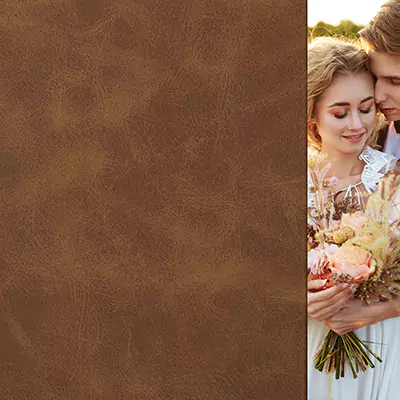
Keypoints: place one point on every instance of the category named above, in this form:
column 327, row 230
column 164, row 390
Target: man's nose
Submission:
column 380, row 92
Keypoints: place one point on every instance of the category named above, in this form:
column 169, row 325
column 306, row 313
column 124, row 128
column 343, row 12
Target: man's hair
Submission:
column 382, row 34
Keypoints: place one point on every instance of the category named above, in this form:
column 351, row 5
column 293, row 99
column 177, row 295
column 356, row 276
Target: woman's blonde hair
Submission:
column 382, row 34
column 329, row 57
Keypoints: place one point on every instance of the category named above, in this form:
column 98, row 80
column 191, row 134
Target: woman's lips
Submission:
column 355, row 138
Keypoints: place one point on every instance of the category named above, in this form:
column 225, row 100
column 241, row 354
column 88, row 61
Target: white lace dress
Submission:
column 382, row 382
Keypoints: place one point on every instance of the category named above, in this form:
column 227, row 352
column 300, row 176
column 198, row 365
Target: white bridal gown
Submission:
column 382, row 382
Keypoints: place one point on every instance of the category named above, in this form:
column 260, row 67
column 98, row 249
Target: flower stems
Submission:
column 338, row 350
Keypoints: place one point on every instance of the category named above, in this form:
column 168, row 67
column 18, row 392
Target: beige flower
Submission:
column 354, row 221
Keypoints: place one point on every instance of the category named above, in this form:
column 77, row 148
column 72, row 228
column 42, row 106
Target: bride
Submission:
column 341, row 124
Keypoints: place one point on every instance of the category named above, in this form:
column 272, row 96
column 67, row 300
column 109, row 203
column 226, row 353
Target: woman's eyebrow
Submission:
column 347, row 104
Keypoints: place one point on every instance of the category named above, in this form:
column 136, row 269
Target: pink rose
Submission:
column 354, row 261
column 314, row 256
column 356, row 222
column 330, row 250
column 319, row 263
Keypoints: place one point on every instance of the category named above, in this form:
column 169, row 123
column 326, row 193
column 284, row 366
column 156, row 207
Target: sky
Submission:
column 333, row 11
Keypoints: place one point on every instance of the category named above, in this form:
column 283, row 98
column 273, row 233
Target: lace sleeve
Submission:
column 378, row 164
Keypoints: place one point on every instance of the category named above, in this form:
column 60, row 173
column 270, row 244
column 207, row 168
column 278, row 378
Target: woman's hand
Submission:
column 357, row 314
column 324, row 303
column 354, row 315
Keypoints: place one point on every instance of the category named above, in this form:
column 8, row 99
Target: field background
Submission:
column 345, row 28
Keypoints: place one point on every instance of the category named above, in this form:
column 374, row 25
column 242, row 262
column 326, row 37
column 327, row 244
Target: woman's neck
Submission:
column 343, row 165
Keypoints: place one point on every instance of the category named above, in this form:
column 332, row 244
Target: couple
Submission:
column 345, row 86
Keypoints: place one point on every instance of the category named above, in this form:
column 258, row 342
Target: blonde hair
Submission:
column 329, row 57
column 382, row 34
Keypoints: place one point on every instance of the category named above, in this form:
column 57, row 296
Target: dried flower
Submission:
column 334, row 180
column 339, row 237
column 363, row 248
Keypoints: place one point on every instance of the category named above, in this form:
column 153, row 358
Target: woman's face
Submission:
column 345, row 113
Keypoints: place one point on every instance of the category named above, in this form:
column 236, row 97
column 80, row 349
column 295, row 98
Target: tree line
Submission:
column 345, row 28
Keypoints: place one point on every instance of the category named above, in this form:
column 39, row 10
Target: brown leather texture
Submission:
column 152, row 165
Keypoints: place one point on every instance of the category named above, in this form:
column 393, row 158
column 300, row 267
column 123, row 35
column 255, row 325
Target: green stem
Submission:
column 324, row 353
column 368, row 349
column 355, row 341
column 350, row 358
column 338, row 358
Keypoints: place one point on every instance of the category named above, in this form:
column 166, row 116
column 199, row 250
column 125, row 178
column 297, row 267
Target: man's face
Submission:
column 386, row 68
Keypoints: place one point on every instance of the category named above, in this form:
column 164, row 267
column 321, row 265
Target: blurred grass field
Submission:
column 345, row 28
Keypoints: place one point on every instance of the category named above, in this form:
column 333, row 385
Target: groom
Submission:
column 382, row 39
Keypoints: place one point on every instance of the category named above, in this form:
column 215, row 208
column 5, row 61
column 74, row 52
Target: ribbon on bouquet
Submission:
column 349, row 193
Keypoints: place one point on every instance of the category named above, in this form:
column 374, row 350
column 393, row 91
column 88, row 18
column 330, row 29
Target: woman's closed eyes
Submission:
column 364, row 111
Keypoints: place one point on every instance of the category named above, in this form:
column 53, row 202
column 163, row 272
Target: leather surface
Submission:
column 152, row 164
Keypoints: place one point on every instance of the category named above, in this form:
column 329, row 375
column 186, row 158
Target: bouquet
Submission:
column 358, row 245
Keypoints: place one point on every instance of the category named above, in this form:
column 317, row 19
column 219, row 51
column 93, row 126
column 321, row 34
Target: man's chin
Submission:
column 392, row 117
